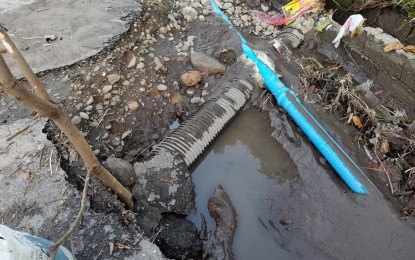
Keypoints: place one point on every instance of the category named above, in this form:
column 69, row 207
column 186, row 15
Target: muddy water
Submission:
column 269, row 181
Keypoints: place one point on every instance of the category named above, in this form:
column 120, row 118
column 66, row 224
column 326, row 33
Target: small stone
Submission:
column 264, row 8
column 189, row 12
column 142, row 89
column 205, row 93
column 106, row 89
column 40, row 147
column 125, row 134
column 175, row 98
column 245, row 18
column 90, row 100
column 105, row 136
column 162, row 87
column 76, row 120
column 140, row 66
column 84, row 115
column 96, row 151
column 205, row 2
column 195, row 100
column 205, row 63
column 122, row 170
column 190, row 91
column 143, row 82
column 99, row 107
column 133, row 106
column 163, row 30
column 158, row 63
column 107, row 96
column 113, row 78
column 132, row 62
column 79, row 106
column 191, row 78
column 89, row 108
column 227, row 6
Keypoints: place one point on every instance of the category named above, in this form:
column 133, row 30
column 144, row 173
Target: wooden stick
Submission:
column 21, row 130
column 23, row 66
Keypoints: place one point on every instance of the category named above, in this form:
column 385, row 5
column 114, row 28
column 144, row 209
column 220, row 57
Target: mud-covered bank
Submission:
column 130, row 96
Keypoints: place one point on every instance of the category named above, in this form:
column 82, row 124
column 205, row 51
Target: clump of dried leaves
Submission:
column 386, row 133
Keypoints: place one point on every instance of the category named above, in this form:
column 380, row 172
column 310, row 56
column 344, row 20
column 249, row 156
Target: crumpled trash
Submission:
column 296, row 8
column 15, row 245
column 353, row 24
column 322, row 23
column 292, row 11
column 275, row 20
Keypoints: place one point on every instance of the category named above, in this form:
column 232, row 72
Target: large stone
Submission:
column 178, row 238
column 206, row 64
column 122, row 170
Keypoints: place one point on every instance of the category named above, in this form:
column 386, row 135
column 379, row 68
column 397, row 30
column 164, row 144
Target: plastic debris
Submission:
column 322, row 23
column 353, row 24
column 15, row 245
column 275, row 20
column 292, row 11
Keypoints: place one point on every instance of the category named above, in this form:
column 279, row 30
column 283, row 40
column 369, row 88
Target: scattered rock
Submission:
column 125, row 134
column 84, row 115
column 205, row 93
column 76, row 120
column 190, row 91
column 132, row 62
column 158, row 63
column 79, row 106
column 162, row 87
column 205, row 63
column 122, row 170
column 90, row 101
column 175, row 98
column 191, row 78
column 195, row 100
column 140, row 66
column 107, row 96
column 189, row 13
column 133, row 106
column 264, row 8
column 113, row 78
column 106, row 89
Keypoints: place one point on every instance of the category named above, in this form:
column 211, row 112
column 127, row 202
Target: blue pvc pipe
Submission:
column 287, row 99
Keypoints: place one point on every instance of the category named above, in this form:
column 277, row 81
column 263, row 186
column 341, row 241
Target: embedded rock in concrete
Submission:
column 122, row 170
column 206, row 64
column 82, row 28
column 164, row 183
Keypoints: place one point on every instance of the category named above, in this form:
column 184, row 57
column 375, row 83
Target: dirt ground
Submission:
column 129, row 96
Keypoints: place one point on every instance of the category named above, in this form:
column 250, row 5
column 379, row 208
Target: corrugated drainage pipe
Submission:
column 193, row 137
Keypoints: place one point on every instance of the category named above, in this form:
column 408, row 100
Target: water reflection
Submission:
column 254, row 170
column 250, row 130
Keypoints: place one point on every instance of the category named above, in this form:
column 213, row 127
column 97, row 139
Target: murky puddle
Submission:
column 252, row 168
column 266, row 184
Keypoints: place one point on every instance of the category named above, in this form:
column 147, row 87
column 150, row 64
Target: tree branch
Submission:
column 14, row 89
column 23, row 66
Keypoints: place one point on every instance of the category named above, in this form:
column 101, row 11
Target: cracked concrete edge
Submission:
column 26, row 182
column 82, row 29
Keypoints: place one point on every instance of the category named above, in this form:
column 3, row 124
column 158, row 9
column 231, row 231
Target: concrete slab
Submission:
column 82, row 28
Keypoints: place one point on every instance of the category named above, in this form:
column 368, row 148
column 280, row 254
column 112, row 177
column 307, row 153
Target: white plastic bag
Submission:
column 15, row 245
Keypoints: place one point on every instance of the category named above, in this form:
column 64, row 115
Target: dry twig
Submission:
column 54, row 248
